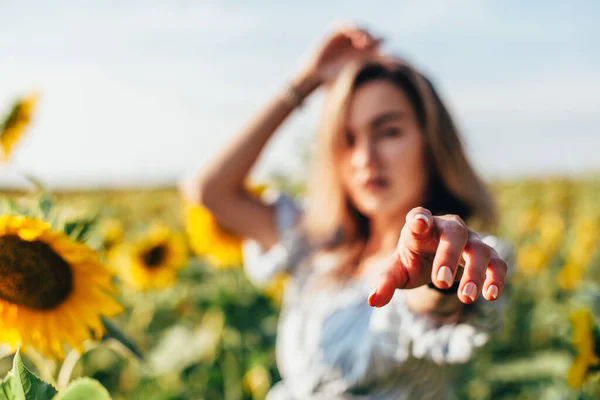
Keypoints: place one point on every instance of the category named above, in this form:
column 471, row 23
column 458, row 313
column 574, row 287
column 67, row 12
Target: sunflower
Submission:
column 53, row 290
column 583, row 341
column 208, row 239
column 15, row 124
column 154, row 261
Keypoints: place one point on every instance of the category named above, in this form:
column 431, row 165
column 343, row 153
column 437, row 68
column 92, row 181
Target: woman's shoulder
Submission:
column 260, row 264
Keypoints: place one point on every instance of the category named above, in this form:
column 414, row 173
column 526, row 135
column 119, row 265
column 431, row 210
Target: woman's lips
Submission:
column 375, row 184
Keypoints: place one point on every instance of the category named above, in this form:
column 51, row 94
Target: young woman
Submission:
column 390, row 287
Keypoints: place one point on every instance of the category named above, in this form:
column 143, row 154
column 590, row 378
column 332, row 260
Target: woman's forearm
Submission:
column 226, row 173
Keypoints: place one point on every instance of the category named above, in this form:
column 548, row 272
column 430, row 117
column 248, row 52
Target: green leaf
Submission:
column 83, row 388
column 45, row 205
column 232, row 381
column 22, row 384
column 79, row 229
column 12, row 115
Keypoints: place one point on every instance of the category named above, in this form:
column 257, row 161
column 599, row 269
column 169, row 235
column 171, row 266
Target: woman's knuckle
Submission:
column 499, row 266
column 481, row 248
column 457, row 218
column 458, row 230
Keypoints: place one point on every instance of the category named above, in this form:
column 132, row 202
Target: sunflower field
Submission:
column 136, row 294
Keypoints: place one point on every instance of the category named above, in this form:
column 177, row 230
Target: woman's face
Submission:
column 382, row 165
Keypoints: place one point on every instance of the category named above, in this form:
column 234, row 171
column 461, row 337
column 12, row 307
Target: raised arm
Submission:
column 220, row 185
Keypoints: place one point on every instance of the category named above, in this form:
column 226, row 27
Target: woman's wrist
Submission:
column 305, row 83
column 426, row 301
column 299, row 88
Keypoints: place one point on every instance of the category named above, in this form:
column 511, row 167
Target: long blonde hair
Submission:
column 332, row 222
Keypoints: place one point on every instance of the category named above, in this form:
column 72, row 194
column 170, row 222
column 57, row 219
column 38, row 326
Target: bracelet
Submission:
column 292, row 96
column 451, row 290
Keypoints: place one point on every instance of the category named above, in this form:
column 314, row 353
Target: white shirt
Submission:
column 332, row 345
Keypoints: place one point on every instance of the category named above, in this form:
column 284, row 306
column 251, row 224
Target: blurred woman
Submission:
column 390, row 286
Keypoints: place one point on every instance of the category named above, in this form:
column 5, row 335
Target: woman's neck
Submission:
column 385, row 231
column 382, row 241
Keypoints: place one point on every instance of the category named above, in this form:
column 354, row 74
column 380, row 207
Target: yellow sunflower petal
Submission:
column 583, row 342
column 211, row 241
column 74, row 311
column 577, row 372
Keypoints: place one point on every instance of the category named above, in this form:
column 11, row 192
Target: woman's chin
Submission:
column 382, row 206
column 374, row 207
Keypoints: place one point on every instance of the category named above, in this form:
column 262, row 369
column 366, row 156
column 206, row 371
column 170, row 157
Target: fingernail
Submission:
column 470, row 290
column 370, row 300
column 493, row 291
column 423, row 218
column 445, row 275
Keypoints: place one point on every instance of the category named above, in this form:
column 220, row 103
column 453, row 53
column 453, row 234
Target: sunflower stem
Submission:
column 67, row 368
column 123, row 350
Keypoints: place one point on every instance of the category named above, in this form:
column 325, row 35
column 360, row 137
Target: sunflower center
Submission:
column 32, row 274
column 155, row 256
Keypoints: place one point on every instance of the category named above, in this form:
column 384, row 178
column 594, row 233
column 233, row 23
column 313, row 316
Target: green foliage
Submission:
column 83, row 388
column 22, row 384
column 200, row 337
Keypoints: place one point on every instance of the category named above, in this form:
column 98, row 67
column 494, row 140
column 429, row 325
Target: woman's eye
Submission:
column 391, row 132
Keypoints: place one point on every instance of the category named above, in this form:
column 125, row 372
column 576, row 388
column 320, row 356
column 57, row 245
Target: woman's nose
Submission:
column 364, row 154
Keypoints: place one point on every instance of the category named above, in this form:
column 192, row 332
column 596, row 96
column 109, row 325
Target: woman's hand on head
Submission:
column 345, row 44
column 432, row 249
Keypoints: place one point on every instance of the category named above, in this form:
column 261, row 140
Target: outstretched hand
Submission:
column 432, row 249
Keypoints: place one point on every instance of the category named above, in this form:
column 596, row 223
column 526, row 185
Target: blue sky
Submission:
column 135, row 92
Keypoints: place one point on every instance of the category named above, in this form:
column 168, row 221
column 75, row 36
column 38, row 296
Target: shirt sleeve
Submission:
column 261, row 265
